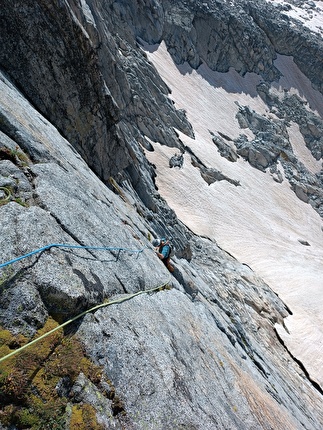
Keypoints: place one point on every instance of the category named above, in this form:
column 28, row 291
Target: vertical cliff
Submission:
column 83, row 108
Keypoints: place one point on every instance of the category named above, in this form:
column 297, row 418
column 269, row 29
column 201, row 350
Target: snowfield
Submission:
column 261, row 222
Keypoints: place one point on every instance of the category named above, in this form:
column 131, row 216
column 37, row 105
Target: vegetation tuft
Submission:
column 29, row 382
column 16, row 156
column 84, row 414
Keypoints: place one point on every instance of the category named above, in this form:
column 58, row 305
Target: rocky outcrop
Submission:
column 225, row 149
column 96, row 86
column 209, row 174
column 289, row 38
column 272, row 145
column 193, row 356
column 79, row 102
column 245, row 35
column 271, row 138
column 103, row 94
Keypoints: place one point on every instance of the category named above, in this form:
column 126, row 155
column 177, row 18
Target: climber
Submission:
column 163, row 250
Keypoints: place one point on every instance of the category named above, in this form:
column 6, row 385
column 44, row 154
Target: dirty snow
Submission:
column 260, row 222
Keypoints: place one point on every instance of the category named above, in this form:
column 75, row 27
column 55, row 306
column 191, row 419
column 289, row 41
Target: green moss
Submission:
column 117, row 189
column 21, row 202
column 7, row 273
column 5, row 337
column 84, row 418
column 284, row 156
column 28, row 380
column 20, row 308
column 27, row 418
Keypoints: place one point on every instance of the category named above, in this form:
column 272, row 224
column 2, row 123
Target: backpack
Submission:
column 171, row 249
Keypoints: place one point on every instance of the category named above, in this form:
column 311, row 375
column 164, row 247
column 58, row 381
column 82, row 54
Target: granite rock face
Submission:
column 79, row 102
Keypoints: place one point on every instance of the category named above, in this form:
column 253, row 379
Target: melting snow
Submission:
column 259, row 222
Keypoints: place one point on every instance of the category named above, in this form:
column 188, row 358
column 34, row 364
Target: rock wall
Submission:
column 203, row 354
column 79, row 101
column 102, row 93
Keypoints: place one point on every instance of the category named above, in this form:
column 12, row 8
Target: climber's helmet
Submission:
column 156, row 242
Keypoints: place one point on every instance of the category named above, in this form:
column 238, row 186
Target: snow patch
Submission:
column 295, row 82
column 310, row 14
column 301, row 151
column 260, row 222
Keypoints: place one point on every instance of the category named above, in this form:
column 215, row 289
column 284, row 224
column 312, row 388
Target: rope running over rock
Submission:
column 63, row 245
column 108, row 303
column 120, row 300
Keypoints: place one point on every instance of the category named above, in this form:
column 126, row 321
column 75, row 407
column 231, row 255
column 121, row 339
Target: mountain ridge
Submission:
column 74, row 169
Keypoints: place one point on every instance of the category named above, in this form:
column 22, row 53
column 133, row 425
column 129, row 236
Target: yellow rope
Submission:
column 7, row 194
column 122, row 299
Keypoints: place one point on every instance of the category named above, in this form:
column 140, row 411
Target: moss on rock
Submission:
column 30, row 381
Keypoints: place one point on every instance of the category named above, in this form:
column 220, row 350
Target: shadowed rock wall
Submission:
column 202, row 355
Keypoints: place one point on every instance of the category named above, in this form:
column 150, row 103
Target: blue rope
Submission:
column 62, row 245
